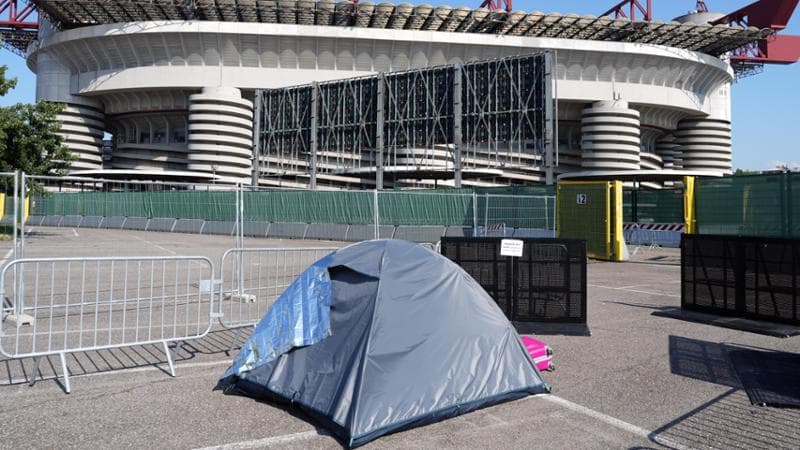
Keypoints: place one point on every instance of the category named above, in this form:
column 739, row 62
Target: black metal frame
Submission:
column 751, row 277
column 492, row 113
column 546, row 284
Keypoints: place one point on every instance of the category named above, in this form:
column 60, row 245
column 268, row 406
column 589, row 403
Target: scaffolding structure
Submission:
column 476, row 119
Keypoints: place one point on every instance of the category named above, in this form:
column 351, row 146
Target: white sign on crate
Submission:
column 582, row 199
column 511, row 247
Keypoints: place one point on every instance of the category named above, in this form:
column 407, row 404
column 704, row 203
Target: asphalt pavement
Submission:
column 638, row 381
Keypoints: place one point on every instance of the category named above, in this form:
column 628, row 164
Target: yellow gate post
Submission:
column 616, row 222
column 689, row 218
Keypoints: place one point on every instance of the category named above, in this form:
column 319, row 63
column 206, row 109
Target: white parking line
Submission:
column 265, row 442
column 605, row 418
column 613, row 421
column 633, row 290
column 154, row 245
column 286, row 438
column 5, row 258
column 74, row 232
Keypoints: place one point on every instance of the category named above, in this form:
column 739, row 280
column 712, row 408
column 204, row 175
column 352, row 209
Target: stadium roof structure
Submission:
column 714, row 40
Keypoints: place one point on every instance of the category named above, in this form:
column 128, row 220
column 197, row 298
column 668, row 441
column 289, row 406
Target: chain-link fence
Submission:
column 754, row 205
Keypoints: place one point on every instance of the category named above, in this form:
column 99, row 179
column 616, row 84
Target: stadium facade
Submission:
column 175, row 84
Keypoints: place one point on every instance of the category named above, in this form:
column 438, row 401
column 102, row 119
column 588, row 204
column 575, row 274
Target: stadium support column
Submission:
column 82, row 119
column 705, row 144
column 379, row 132
column 82, row 130
column 312, row 164
column 259, row 104
column 610, row 137
column 457, row 73
column 666, row 148
column 551, row 118
column 221, row 134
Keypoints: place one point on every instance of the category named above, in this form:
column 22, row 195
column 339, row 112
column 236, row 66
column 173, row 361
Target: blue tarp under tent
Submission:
column 381, row 336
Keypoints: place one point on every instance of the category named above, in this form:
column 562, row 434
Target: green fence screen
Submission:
column 172, row 204
column 340, row 207
column 653, row 205
column 413, row 207
column 752, row 205
column 405, row 208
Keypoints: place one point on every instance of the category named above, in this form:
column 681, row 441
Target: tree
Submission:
column 743, row 172
column 28, row 139
column 5, row 84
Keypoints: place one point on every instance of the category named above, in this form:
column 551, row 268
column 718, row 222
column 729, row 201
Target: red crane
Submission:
column 14, row 17
column 497, row 4
column 772, row 14
column 618, row 10
column 18, row 24
column 775, row 49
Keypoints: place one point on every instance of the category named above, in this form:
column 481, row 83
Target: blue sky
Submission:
column 765, row 117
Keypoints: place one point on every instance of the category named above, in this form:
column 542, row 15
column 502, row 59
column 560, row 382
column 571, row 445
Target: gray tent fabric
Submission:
column 413, row 339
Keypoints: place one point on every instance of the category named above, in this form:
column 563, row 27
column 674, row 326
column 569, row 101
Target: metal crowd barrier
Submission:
column 251, row 279
column 546, row 284
column 744, row 276
column 58, row 306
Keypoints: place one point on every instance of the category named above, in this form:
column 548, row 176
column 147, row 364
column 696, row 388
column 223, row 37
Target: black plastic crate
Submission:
column 546, row 284
column 752, row 277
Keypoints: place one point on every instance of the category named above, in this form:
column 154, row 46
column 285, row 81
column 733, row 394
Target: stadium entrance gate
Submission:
column 592, row 210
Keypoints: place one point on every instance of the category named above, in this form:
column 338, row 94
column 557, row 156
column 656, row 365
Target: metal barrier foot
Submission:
column 19, row 319
column 178, row 348
column 64, row 369
column 34, row 371
column 169, row 358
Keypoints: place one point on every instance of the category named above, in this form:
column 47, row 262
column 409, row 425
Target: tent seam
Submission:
column 357, row 394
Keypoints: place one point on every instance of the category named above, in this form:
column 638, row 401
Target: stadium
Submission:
column 174, row 82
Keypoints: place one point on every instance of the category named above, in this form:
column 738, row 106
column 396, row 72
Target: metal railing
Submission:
column 532, row 212
column 57, row 306
column 246, row 211
column 252, row 279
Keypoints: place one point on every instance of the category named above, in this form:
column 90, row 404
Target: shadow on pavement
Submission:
column 702, row 360
column 218, row 344
column 727, row 420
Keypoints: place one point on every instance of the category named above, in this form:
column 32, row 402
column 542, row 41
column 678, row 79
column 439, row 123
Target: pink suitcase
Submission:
column 541, row 353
